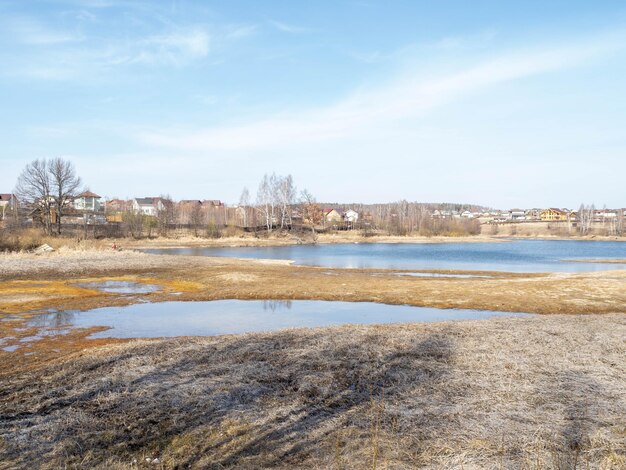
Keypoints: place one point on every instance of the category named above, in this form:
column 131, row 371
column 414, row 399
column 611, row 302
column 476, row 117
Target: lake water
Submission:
column 513, row 256
column 151, row 320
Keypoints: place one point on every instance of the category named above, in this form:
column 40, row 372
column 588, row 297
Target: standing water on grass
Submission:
column 243, row 316
column 512, row 256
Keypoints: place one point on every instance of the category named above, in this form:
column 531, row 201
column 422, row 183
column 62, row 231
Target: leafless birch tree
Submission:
column 585, row 218
column 244, row 203
column 265, row 202
column 286, row 198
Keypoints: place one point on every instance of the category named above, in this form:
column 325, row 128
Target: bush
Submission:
column 213, row 230
column 21, row 240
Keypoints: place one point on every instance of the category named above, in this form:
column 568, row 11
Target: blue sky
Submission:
column 490, row 102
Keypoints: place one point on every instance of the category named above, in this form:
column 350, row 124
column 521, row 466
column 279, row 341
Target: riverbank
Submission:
column 287, row 239
column 32, row 239
column 335, row 238
column 546, row 392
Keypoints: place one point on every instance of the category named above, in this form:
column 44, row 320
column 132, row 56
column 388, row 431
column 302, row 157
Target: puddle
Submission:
column 175, row 318
column 414, row 274
column 121, row 287
column 13, row 348
column 10, row 318
column 43, row 332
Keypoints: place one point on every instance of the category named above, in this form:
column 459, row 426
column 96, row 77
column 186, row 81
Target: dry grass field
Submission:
column 535, row 393
column 546, row 392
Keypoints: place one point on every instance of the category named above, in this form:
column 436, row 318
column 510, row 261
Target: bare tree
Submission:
column 135, row 221
column 311, row 211
column 65, row 185
column 166, row 214
column 265, row 202
column 196, row 218
column 585, row 218
column 619, row 223
column 34, row 187
column 286, row 198
column 244, row 203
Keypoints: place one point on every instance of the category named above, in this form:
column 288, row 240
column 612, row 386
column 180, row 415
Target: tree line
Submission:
column 48, row 186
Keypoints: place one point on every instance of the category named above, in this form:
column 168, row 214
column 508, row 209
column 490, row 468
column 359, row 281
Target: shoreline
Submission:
column 331, row 239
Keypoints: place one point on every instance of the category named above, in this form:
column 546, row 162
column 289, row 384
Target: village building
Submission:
column 553, row 214
column 605, row 214
column 517, row 214
column 212, row 203
column 533, row 214
column 150, row 206
column 8, row 205
column 351, row 216
column 88, row 201
column 332, row 215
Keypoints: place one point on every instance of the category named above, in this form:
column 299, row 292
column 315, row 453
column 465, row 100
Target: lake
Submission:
column 218, row 317
column 512, row 256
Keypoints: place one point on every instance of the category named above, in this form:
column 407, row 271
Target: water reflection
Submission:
column 120, row 287
column 273, row 305
column 151, row 320
column 55, row 319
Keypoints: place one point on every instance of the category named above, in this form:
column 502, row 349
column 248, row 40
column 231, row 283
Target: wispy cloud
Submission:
column 30, row 32
column 175, row 48
column 61, row 56
column 240, row 31
column 367, row 109
column 288, row 28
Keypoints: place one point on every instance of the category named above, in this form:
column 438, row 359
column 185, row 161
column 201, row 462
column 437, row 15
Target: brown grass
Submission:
column 28, row 239
column 546, row 392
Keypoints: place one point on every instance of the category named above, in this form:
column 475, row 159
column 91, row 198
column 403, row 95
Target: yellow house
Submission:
column 553, row 214
column 332, row 215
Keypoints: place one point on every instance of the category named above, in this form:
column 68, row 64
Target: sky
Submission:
column 498, row 103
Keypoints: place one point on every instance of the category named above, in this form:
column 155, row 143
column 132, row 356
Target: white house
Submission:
column 351, row 216
column 148, row 205
column 87, row 201
column 8, row 203
column 518, row 214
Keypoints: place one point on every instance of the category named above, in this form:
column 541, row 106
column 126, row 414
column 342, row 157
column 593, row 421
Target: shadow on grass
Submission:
column 292, row 390
column 577, row 392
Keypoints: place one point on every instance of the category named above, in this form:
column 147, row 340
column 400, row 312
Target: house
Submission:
column 149, row 205
column 87, row 201
column 467, row 215
column 190, row 211
column 533, row 214
column 332, row 215
column 351, row 216
column 8, row 204
column 605, row 214
column 118, row 205
column 212, row 203
column 553, row 214
column 518, row 214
